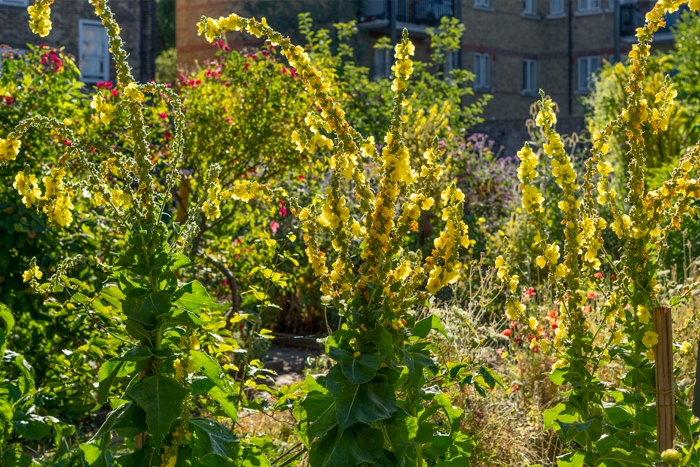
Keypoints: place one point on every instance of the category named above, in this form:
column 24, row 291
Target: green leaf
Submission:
column 348, row 448
column 401, row 430
column 620, row 457
column 145, row 309
column 127, row 419
column 161, row 398
column 106, row 376
column 573, row 459
column 210, row 437
column 227, row 402
column 557, row 413
column 416, row 359
column 210, row 368
column 7, row 318
column 423, row 327
column 14, row 457
column 359, row 369
column 364, row 403
column 491, row 378
column 142, row 458
column 193, row 296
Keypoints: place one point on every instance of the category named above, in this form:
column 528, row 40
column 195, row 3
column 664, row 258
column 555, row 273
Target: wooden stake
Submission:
column 665, row 391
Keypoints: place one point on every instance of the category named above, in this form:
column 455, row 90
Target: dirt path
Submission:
column 289, row 363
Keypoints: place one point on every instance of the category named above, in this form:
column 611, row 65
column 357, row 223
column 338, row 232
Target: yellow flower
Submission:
column 133, row 92
column 514, row 280
column 643, row 314
column 532, row 322
column 552, row 253
column 32, row 273
column 650, row 339
column 9, row 149
column 685, row 348
column 604, row 168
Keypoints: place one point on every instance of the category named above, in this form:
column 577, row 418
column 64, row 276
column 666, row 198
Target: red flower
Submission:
column 552, row 314
column 507, row 332
column 555, row 325
column 598, row 275
column 591, row 295
column 283, row 211
column 300, row 177
column 67, row 143
column 530, row 292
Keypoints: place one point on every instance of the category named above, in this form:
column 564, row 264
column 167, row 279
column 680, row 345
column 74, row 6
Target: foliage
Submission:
column 166, row 66
column 373, row 406
column 608, row 421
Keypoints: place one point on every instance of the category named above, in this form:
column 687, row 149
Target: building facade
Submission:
column 80, row 32
column 514, row 47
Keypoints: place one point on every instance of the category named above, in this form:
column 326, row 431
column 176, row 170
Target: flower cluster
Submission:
column 40, row 17
column 9, row 148
column 103, row 107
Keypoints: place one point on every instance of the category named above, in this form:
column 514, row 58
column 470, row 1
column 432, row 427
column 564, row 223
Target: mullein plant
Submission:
column 386, row 399
column 608, row 422
column 170, row 367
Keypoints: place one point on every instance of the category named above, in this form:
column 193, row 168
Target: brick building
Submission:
column 77, row 28
column 514, row 47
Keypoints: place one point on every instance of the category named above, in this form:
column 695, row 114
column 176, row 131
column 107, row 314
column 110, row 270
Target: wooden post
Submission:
column 665, row 391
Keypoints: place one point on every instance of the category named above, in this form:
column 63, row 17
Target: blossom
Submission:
column 507, row 333
column 274, row 225
column 9, row 149
column 40, row 18
column 32, row 273
column 650, row 339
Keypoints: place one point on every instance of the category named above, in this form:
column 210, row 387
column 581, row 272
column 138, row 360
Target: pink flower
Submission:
column 274, row 225
column 598, row 275
column 591, row 295
column 283, row 211
column 67, row 143
column 530, row 292
column 293, row 72
column 163, row 115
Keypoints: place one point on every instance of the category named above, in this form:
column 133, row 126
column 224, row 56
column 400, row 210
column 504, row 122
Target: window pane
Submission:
column 477, row 70
column 93, row 50
column 485, row 58
column 582, row 73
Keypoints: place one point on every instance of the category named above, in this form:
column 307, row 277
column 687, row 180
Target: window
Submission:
column 529, row 7
column 587, row 67
column 481, row 72
column 14, row 2
column 556, row 7
column 529, row 76
column 451, row 61
column 588, row 5
column 482, row 3
column 382, row 63
column 93, row 51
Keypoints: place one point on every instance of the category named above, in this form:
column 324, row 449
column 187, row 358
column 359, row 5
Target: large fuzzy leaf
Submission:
column 161, row 398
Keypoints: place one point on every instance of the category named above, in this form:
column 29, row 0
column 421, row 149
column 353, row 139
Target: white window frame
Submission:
column 383, row 69
column 587, row 68
column 483, row 5
column 529, row 8
column 105, row 73
column 21, row 3
column 482, row 72
column 529, row 76
column 588, row 7
column 556, row 8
